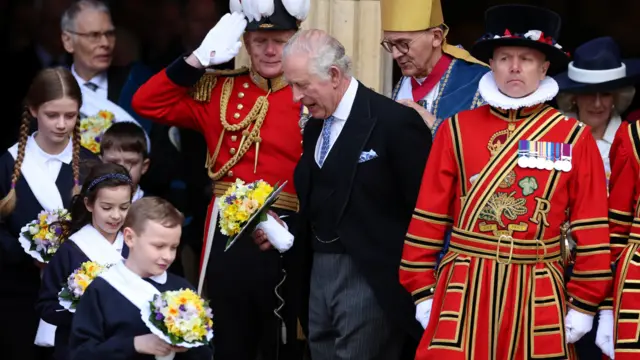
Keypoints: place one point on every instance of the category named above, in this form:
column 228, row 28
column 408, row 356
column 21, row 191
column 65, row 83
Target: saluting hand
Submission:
column 426, row 116
column 222, row 43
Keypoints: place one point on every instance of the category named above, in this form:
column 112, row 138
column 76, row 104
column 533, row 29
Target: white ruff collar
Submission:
column 547, row 90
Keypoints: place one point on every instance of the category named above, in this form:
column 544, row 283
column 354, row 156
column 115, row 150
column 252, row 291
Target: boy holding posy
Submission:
column 108, row 324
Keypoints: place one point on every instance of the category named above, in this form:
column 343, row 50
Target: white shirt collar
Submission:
column 138, row 194
column 489, row 91
column 612, row 128
column 100, row 80
column 609, row 132
column 160, row 279
column 65, row 156
column 346, row 103
column 118, row 244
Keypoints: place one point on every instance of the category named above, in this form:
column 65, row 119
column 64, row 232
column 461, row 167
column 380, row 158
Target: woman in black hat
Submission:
column 597, row 89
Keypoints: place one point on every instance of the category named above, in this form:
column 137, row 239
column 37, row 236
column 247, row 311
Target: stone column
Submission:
column 356, row 24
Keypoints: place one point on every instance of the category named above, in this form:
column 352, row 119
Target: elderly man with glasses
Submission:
column 439, row 80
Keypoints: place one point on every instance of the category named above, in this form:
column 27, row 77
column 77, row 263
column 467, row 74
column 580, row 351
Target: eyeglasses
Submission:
column 96, row 36
column 402, row 46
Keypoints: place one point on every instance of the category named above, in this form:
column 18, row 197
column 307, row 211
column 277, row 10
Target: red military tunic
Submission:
column 250, row 124
column 499, row 291
column 624, row 223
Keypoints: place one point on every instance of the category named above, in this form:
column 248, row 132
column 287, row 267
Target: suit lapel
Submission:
column 302, row 173
column 116, row 77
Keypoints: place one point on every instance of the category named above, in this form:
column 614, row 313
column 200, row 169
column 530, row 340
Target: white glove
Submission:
column 222, row 43
column 577, row 325
column 423, row 312
column 278, row 235
column 604, row 336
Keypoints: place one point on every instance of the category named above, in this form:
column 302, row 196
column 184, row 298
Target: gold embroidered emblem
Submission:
column 543, row 207
column 522, row 226
column 503, row 204
column 508, row 181
column 496, row 142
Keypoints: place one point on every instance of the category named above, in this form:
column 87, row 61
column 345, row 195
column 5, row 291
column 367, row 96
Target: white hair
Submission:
column 68, row 21
column 323, row 50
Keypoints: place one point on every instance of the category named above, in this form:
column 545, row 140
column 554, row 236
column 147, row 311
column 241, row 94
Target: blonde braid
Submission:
column 8, row 204
column 75, row 162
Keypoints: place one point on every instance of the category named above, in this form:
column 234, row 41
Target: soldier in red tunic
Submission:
column 624, row 222
column 507, row 175
column 251, row 126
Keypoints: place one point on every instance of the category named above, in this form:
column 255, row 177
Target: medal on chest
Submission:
column 544, row 155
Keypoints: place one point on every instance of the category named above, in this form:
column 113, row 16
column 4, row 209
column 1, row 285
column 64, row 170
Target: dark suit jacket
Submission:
column 377, row 196
column 116, row 77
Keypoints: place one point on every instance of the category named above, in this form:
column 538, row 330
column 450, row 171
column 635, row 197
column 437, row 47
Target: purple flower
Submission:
column 230, row 199
column 159, row 316
column 182, row 308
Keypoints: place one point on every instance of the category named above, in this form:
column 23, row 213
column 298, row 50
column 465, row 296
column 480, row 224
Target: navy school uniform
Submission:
column 67, row 259
column 19, row 277
column 106, row 323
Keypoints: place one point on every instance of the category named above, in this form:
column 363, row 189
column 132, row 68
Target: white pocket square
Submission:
column 367, row 155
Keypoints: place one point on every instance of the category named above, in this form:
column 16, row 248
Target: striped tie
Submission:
column 91, row 86
column 326, row 139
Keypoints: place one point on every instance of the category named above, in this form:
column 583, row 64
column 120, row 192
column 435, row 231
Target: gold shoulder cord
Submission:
column 257, row 114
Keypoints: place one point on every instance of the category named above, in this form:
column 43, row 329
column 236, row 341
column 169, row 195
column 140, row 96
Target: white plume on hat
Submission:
column 255, row 10
column 235, row 6
column 299, row 9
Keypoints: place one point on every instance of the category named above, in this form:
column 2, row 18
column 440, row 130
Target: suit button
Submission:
column 240, row 106
column 232, row 151
column 234, row 138
column 245, row 85
column 236, row 116
column 230, row 173
column 240, row 95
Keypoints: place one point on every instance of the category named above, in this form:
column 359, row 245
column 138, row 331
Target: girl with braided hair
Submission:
column 40, row 172
column 97, row 215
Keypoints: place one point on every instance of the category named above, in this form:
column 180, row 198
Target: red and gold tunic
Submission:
column 624, row 224
column 250, row 124
column 499, row 291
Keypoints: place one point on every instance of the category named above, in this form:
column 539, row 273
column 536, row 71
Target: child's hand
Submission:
column 150, row 344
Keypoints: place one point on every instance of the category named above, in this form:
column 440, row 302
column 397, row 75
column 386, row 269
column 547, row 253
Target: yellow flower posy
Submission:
column 239, row 203
column 93, row 127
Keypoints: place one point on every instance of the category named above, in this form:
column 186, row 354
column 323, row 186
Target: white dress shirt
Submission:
column 100, row 80
column 340, row 115
column 604, row 144
column 51, row 163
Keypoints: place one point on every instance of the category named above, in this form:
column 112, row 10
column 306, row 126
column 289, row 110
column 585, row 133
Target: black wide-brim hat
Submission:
column 522, row 26
column 598, row 67
column 279, row 20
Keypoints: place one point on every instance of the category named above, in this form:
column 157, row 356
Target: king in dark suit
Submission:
column 357, row 182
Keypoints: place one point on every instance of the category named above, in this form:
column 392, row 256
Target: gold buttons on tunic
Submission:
column 240, row 95
column 232, row 151
column 240, row 106
column 245, row 85
column 236, row 116
column 234, row 138
column 230, row 173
